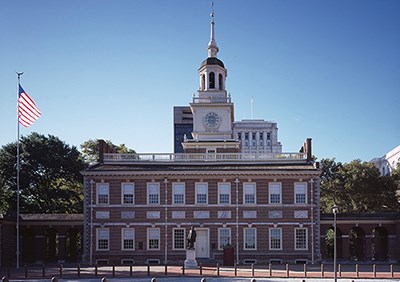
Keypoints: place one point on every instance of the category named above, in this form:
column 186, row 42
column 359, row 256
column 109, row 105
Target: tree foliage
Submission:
column 50, row 179
column 357, row 187
column 90, row 150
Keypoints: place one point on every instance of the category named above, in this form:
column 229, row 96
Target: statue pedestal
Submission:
column 190, row 261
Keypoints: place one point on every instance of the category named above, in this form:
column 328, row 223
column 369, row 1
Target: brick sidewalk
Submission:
column 244, row 271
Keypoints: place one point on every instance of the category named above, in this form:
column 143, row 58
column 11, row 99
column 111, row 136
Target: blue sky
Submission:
column 329, row 70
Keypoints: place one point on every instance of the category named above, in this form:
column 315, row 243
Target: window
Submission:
column 275, row 193
column 275, row 238
column 201, row 193
column 224, row 192
column 153, row 238
column 103, row 237
column 102, row 214
column 128, row 193
column 103, row 193
column 249, row 238
column 153, row 193
column 224, row 237
column 249, row 193
column 179, row 238
column 211, row 78
column 239, row 136
column 178, row 192
column 300, row 191
column 221, row 82
column 127, row 214
column 300, row 237
column 128, row 240
column 253, row 138
column 268, row 136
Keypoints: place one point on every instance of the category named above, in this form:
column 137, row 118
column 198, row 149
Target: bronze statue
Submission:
column 191, row 238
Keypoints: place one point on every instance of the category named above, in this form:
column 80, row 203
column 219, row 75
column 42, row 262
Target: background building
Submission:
column 387, row 163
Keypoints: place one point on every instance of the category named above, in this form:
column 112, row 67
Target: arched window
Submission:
column 203, row 81
column 357, row 243
column 211, row 80
column 379, row 243
column 221, row 82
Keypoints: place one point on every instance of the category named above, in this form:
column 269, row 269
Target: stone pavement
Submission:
column 279, row 273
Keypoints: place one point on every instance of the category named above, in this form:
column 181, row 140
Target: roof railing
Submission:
column 198, row 157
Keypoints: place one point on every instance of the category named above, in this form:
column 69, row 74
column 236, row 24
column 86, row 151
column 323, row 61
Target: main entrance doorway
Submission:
column 202, row 243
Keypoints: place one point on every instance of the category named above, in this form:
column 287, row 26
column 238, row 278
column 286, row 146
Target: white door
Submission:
column 202, row 243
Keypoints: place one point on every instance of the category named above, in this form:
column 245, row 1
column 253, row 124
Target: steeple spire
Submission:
column 212, row 45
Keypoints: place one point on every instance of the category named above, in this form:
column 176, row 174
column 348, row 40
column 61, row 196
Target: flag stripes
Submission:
column 28, row 113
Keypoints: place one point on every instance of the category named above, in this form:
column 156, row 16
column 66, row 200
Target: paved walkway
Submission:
column 281, row 273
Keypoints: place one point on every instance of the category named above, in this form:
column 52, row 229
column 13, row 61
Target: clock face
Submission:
column 212, row 120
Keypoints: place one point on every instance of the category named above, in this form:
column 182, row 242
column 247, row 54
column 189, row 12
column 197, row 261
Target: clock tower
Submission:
column 213, row 111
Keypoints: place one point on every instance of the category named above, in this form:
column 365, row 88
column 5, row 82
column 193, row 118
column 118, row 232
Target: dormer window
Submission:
column 211, row 80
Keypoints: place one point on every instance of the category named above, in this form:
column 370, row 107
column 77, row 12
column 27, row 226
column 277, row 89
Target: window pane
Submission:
column 301, row 238
column 224, row 237
column 179, row 238
column 153, row 192
column 178, row 193
column 274, row 193
column 127, row 190
column 301, row 192
column 201, row 193
column 153, row 238
column 250, row 238
column 249, row 193
column 102, row 239
column 128, row 239
column 224, row 193
column 275, row 238
column 102, row 193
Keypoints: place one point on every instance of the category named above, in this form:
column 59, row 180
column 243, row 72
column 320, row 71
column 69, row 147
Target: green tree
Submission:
column 90, row 150
column 356, row 187
column 50, row 179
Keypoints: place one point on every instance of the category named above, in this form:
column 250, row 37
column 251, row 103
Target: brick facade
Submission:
column 208, row 217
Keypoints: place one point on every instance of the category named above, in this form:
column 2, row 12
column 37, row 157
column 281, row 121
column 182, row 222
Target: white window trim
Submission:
column 122, row 193
column 196, row 187
column 148, row 239
column 122, row 239
column 173, row 193
column 173, row 239
column 147, row 193
column 229, row 192
column 270, row 239
column 97, row 193
column 280, row 193
column 255, row 193
column 305, row 183
column 219, row 236
column 255, row 239
column 295, row 241
column 97, row 239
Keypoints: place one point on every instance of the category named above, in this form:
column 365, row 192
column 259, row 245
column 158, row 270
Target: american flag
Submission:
column 28, row 113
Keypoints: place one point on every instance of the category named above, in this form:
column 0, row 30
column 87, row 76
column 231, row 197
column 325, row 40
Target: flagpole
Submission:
column 18, row 167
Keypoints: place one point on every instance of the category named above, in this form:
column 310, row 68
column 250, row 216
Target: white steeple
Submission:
column 212, row 45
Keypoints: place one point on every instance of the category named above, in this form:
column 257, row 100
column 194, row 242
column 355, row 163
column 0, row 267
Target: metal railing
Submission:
column 190, row 157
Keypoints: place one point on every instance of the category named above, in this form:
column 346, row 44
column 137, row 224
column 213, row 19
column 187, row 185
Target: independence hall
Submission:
column 230, row 181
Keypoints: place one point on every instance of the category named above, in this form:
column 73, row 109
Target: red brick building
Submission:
column 139, row 207
column 139, row 210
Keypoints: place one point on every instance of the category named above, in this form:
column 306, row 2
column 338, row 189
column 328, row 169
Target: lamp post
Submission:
column 335, row 210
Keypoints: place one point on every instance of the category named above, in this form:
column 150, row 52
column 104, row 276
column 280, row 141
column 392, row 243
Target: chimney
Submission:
column 308, row 149
column 102, row 148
